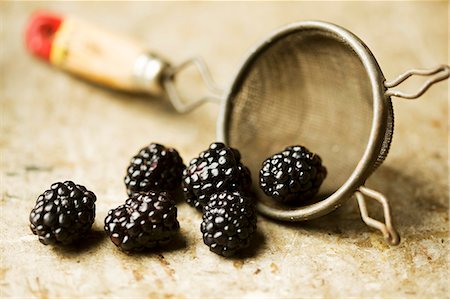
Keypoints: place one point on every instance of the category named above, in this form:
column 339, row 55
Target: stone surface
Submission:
column 56, row 127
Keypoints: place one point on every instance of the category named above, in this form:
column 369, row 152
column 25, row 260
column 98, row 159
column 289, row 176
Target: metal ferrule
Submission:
column 148, row 72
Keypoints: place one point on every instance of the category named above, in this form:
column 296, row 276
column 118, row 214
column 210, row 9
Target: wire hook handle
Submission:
column 181, row 104
column 442, row 72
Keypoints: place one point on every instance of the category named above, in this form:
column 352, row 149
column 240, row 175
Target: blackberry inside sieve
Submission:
column 311, row 83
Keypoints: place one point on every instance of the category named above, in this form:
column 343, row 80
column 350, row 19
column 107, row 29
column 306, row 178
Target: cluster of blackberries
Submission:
column 216, row 182
column 145, row 221
column 148, row 218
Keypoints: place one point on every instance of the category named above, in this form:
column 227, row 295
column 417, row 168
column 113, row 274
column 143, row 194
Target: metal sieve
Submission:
column 318, row 85
column 310, row 83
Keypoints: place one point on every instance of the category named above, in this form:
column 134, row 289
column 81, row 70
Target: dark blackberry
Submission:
column 229, row 221
column 216, row 169
column 155, row 168
column 146, row 220
column 63, row 214
column 293, row 175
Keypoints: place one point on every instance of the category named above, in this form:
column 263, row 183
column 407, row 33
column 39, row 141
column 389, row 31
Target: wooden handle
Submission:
column 99, row 56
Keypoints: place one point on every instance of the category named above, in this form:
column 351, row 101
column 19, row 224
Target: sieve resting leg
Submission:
column 387, row 228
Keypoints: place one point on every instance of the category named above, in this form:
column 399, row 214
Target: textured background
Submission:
column 55, row 127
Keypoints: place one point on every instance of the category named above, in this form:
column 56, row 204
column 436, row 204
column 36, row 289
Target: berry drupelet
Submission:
column 293, row 175
column 229, row 221
column 63, row 214
column 145, row 221
column 155, row 168
column 216, row 169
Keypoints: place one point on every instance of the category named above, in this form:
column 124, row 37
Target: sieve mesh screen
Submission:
column 309, row 89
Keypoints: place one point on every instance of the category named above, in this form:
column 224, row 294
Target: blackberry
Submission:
column 293, row 175
column 229, row 221
column 63, row 214
column 216, row 169
column 155, row 168
column 145, row 221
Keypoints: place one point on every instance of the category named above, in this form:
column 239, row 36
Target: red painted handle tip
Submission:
column 40, row 32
